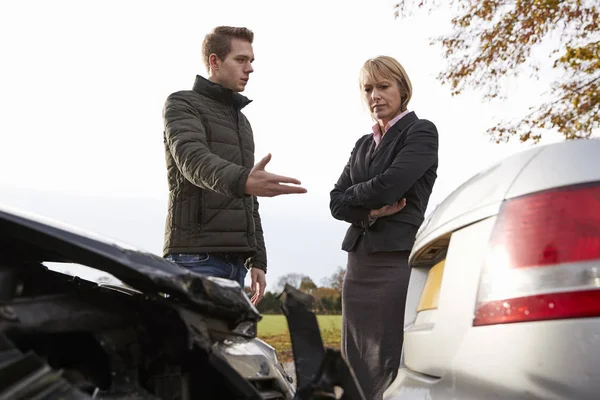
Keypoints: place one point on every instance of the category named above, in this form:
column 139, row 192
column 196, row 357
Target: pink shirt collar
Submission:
column 377, row 135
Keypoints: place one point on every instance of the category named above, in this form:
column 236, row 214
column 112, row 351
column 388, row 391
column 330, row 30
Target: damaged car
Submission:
column 164, row 333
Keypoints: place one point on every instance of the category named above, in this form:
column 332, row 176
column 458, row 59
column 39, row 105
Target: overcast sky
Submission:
column 83, row 85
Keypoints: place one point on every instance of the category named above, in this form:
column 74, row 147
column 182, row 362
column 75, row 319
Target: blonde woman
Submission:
column 383, row 193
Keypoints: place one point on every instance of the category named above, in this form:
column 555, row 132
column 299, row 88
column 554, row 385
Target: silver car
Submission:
column 504, row 298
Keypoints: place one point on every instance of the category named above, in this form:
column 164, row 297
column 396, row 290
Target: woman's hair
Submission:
column 384, row 67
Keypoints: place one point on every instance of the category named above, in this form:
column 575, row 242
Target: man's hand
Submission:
column 258, row 284
column 388, row 210
column 265, row 184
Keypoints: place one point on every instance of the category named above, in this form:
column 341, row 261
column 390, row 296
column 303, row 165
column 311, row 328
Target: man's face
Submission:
column 235, row 70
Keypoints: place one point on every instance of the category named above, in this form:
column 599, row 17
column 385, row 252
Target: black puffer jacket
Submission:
column 209, row 149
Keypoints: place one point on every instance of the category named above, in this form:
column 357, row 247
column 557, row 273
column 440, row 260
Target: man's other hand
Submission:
column 265, row 184
column 258, row 285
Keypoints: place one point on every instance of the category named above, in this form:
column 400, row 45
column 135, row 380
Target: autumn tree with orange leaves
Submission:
column 493, row 39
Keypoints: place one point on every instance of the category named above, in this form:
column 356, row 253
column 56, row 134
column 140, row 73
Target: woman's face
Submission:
column 384, row 99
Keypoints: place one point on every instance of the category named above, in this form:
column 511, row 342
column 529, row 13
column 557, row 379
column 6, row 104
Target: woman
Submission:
column 383, row 193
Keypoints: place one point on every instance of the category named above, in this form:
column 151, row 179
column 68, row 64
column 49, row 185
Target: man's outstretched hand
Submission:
column 258, row 284
column 265, row 184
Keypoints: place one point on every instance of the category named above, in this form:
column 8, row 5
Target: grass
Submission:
column 273, row 329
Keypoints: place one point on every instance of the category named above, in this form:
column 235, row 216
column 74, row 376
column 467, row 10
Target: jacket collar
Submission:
column 404, row 122
column 395, row 130
column 220, row 93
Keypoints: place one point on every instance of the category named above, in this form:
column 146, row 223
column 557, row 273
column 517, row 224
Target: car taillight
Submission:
column 544, row 259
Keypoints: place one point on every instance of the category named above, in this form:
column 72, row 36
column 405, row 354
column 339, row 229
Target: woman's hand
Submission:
column 388, row 210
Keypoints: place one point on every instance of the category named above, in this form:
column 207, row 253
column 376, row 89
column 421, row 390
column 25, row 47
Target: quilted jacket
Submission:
column 209, row 150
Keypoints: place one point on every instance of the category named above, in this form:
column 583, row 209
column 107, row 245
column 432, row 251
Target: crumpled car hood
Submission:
column 247, row 365
column 141, row 270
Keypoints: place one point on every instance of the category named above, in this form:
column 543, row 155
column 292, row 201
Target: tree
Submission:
column 307, row 285
column 328, row 300
column 293, row 279
column 269, row 304
column 493, row 39
column 336, row 280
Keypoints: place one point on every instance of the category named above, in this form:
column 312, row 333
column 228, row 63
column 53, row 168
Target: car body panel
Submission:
column 167, row 332
column 438, row 333
column 547, row 360
column 570, row 163
column 476, row 199
column 219, row 317
column 141, row 270
column 444, row 356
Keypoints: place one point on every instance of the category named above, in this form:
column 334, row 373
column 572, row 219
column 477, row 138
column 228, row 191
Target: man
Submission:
column 213, row 225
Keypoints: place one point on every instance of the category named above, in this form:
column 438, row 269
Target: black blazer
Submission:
column 404, row 165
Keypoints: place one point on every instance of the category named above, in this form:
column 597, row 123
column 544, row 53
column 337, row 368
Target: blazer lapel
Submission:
column 370, row 152
column 394, row 131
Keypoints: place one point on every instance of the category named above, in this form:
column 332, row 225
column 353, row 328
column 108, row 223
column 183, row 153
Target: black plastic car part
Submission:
column 321, row 373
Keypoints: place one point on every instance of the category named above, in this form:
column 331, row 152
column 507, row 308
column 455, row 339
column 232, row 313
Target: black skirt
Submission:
column 373, row 301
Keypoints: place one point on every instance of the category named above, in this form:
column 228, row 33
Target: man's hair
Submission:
column 384, row 67
column 219, row 41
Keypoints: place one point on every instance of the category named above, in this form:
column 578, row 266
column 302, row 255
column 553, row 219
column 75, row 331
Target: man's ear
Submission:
column 213, row 62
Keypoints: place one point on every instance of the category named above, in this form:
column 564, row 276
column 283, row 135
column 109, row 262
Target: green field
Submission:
column 273, row 329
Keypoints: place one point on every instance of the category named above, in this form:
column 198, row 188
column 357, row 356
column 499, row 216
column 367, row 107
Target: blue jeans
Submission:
column 209, row 265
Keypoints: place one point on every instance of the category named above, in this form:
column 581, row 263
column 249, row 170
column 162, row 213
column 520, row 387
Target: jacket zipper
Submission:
column 236, row 118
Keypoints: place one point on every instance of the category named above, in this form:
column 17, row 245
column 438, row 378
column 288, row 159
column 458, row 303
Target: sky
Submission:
column 82, row 86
